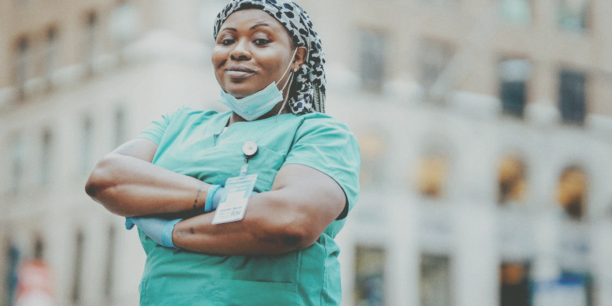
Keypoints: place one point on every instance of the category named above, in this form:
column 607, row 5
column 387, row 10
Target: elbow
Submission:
column 93, row 185
column 100, row 188
column 284, row 225
column 294, row 233
column 99, row 180
column 298, row 239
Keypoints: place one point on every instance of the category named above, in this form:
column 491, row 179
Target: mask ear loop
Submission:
column 288, row 67
column 290, row 81
column 286, row 95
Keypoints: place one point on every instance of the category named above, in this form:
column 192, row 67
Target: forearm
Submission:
column 128, row 186
column 267, row 228
column 302, row 204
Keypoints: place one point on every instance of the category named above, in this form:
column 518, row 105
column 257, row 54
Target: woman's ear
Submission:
column 300, row 58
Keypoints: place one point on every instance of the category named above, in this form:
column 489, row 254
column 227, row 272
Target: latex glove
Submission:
column 213, row 198
column 159, row 230
column 216, row 194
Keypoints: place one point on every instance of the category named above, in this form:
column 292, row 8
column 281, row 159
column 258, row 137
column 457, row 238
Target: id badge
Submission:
column 233, row 207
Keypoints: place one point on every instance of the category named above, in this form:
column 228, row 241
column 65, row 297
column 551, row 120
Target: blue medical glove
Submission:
column 159, row 230
column 213, row 198
column 216, row 193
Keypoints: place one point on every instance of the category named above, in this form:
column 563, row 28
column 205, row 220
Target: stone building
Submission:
column 484, row 127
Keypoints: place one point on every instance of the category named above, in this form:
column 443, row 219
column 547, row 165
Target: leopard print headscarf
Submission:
column 307, row 92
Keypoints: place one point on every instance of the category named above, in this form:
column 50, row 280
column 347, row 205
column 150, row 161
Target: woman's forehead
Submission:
column 251, row 18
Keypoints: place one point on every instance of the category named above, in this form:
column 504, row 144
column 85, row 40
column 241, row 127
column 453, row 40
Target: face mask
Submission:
column 259, row 103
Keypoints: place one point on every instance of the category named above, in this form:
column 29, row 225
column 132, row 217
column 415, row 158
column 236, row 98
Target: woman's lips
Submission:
column 239, row 74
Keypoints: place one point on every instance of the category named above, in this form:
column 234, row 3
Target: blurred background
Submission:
column 485, row 130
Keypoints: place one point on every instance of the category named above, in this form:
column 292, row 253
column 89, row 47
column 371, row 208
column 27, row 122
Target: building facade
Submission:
column 485, row 129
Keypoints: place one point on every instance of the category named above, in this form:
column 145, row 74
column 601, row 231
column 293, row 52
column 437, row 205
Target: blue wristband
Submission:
column 166, row 237
column 212, row 189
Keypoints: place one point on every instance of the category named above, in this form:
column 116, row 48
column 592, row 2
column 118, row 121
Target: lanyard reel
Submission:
column 239, row 189
column 250, row 150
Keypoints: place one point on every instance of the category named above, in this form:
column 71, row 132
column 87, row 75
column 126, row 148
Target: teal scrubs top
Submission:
column 192, row 142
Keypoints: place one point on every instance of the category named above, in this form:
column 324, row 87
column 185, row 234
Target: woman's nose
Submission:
column 241, row 51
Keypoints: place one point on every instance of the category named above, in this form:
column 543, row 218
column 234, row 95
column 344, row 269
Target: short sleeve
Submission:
column 329, row 147
column 156, row 129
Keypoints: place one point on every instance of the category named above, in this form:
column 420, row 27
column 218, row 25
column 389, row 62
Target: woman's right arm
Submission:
column 128, row 184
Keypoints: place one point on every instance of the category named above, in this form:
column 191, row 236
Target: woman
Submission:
column 269, row 63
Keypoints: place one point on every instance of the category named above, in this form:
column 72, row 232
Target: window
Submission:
column 432, row 175
column 110, row 262
column 373, row 149
column 572, row 96
column 572, row 192
column 370, row 276
column 435, row 285
column 514, row 75
column 512, row 181
column 515, row 11
column 51, row 53
column 573, row 14
column 22, row 65
column 120, row 128
column 514, row 289
column 46, row 157
column 86, row 145
column 372, row 52
column 78, row 268
column 17, row 164
column 433, row 58
column 91, row 40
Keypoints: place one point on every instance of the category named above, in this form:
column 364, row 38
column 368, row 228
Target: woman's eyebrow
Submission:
column 252, row 28
column 260, row 25
column 228, row 29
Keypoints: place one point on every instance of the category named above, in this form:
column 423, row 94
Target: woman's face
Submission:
column 252, row 50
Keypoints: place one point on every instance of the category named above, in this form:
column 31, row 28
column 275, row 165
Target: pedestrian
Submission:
column 242, row 207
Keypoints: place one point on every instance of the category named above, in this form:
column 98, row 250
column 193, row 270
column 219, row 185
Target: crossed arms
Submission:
column 302, row 203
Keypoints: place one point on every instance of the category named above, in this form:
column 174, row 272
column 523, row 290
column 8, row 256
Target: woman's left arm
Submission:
column 303, row 202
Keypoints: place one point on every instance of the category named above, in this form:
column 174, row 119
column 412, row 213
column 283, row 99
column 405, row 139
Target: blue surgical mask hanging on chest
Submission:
column 253, row 106
column 258, row 104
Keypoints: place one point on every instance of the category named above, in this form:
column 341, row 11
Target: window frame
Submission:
column 586, row 23
column 561, row 96
column 527, row 82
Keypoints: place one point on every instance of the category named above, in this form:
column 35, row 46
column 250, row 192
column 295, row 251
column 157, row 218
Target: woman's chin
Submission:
column 239, row 93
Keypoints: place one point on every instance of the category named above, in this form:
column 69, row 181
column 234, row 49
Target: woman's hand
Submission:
column 127, row 184
column 302, row 204
column 159, row 230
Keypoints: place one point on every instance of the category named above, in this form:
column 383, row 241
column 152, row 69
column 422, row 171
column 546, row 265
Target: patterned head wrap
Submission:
column 307, row 93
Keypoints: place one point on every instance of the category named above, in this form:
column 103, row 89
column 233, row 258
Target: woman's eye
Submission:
column 261, row 41
column 227, row 42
